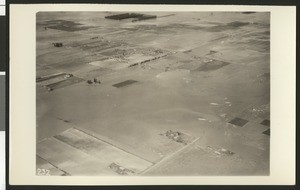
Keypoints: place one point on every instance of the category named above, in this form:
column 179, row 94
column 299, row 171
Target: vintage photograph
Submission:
column 152, row 93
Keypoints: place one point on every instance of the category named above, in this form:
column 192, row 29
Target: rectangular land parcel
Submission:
column 153, row 93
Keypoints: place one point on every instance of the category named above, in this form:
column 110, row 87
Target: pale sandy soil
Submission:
column 204, row 71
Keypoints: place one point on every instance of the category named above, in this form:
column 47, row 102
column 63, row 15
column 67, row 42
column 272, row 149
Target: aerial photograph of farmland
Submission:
column 153, row 93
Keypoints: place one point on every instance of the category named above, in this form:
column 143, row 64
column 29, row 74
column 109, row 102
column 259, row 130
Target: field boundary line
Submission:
column 168, row 157
column 111, row 144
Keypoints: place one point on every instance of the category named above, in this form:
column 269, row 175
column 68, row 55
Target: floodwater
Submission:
column 193, row 73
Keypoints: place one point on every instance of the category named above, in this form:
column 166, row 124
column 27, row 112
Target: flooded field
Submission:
column 153, row 94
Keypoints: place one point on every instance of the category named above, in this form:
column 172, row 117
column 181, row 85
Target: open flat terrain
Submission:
column 180, row 94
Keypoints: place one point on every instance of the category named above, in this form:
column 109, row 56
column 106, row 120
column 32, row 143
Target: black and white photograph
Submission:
column 105, row 95
column 133, row 93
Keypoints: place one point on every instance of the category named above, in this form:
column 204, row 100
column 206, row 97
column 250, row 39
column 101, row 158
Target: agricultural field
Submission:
column 153, row 94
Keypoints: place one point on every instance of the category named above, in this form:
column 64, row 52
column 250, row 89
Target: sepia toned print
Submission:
column 153, row 93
